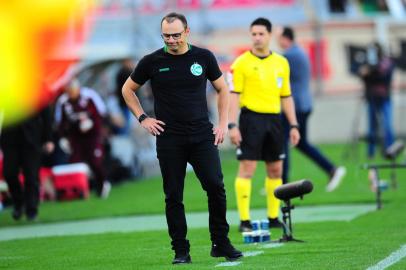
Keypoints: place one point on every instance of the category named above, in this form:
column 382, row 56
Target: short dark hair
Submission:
column 288, row 33
column 170, row 17
column 264, row 22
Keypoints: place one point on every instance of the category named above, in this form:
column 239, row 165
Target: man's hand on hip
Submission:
column 153, row 126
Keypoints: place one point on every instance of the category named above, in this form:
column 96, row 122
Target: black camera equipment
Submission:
column 392, row 153
column 357, row 57
column 286, row 193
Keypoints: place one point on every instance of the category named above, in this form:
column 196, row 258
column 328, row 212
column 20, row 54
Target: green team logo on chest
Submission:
column 196, row 69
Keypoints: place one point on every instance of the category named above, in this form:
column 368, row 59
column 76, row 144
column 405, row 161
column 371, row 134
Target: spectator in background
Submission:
column 377, row 77
column 122, row 126
column 79, row 115
column 22, row 146
column 300, row 82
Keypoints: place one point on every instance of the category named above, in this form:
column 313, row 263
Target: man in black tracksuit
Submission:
column 178, row 74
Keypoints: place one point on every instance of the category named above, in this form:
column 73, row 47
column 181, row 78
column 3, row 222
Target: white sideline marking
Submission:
column 228, row 264
column 252, row 253
column 393, row 258
column 158, row 222
column 272, row 245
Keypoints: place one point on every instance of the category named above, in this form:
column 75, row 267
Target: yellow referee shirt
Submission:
column 261, row 82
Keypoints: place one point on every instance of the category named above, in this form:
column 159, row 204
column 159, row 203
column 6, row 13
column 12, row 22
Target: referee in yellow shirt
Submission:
column 261, row 88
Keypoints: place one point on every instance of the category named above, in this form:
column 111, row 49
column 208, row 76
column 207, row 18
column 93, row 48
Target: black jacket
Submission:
column 34, row 131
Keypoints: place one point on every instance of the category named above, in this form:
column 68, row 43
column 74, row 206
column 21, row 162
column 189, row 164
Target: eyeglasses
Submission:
column 175, row 36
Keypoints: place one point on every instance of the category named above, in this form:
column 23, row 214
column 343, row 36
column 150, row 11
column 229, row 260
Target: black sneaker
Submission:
column 245, row 226
column 275, row 223
column 17, row 213
column 32, row 217
column 32, row 214
column 225, row 250
column 182, row 258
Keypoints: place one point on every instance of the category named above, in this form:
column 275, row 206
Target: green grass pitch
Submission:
column 357, row 244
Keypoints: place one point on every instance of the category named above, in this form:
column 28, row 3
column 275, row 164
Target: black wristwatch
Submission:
column 231, row 125
column 294, row 126
column 142, row 117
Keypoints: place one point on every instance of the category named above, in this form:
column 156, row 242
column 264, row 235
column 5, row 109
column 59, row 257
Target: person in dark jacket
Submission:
column 123, row 73
column 22, row 146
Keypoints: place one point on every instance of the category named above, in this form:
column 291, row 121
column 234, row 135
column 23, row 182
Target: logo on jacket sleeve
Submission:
column 279, row 82
column 196, row 69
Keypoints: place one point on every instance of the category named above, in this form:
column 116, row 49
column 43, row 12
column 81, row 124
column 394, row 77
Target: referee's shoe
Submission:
column 245, row 226
column 225, row 250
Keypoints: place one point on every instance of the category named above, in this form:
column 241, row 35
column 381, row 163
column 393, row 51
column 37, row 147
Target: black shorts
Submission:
column 262, row 136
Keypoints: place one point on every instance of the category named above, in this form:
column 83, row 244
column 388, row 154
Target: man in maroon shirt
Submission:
column 79, row 114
